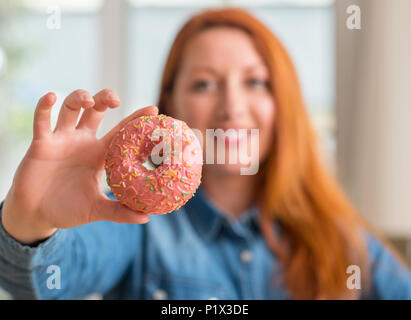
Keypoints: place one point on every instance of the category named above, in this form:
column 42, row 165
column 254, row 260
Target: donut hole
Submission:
column 155, row 158
column 150, row 165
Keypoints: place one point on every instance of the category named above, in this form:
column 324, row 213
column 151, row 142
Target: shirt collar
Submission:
column 209, row 220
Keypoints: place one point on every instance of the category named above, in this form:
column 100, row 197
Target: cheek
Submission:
column 264, row 114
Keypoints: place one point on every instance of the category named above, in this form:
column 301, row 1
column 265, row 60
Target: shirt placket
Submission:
column 245, row 258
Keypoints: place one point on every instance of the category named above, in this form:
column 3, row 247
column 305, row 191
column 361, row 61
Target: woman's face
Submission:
column 223, row 83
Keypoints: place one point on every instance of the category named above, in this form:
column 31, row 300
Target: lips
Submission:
column 234, row 135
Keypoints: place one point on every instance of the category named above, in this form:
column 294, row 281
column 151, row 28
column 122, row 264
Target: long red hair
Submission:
column 321, row 232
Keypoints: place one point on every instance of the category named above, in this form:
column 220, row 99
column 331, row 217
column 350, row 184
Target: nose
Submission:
column 233, row 103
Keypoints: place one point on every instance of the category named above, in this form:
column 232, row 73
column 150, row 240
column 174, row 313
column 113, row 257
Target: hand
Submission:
column 57, row 183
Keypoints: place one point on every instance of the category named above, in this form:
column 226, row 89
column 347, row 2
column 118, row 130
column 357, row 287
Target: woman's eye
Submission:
column 202, row 85
column 254, row 82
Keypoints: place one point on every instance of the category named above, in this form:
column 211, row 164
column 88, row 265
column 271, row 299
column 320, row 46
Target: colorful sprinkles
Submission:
column 169, row 186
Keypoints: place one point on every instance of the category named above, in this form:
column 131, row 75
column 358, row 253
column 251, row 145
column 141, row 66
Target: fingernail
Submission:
column 86, row 97
column 156, row 109
column 113, row 97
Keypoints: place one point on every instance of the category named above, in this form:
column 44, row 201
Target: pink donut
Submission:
column 174, row 149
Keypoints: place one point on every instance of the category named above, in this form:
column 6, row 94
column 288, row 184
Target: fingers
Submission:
column 92, row 117
column 147, row 111
column 110, row 210
column 70, row 110
column 41, row 124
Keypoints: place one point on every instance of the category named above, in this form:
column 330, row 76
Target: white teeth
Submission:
column 236, row 135
column 232, row 134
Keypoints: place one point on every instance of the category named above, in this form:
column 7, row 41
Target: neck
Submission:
column 231, row 193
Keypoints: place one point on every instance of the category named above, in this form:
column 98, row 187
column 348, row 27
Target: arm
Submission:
column 55, row 213
column 390, row 278
column 91, row 258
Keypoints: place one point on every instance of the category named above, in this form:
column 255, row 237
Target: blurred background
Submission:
column 356, row 82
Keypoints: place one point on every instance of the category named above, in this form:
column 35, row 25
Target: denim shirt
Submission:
column 196, row 252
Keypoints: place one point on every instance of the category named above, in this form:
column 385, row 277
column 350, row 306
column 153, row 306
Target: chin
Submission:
column 225, row 169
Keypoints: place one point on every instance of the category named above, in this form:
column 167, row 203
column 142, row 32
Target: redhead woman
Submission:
column 286, row 232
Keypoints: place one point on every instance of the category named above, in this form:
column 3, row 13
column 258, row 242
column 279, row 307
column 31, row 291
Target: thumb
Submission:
column 147, row 111
column 114, row 211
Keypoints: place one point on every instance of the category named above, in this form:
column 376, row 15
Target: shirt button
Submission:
column 160, row 294
column 246, row 256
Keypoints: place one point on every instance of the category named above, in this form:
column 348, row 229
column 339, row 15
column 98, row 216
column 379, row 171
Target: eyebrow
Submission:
column 210, row 69
column 203, row 68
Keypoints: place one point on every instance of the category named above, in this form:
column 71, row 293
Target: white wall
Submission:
column 374, row 112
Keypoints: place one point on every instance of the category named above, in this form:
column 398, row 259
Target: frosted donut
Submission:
column 177, row 156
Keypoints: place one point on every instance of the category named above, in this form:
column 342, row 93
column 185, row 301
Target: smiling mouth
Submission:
column 233, row 136
column 236, row 137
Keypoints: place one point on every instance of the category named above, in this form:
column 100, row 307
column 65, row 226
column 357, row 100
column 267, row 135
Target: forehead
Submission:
column 221, row 47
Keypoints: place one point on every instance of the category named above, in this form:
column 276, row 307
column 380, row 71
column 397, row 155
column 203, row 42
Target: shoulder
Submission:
column 391, row 279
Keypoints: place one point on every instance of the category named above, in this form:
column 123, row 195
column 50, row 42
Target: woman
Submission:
column 286, row 232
